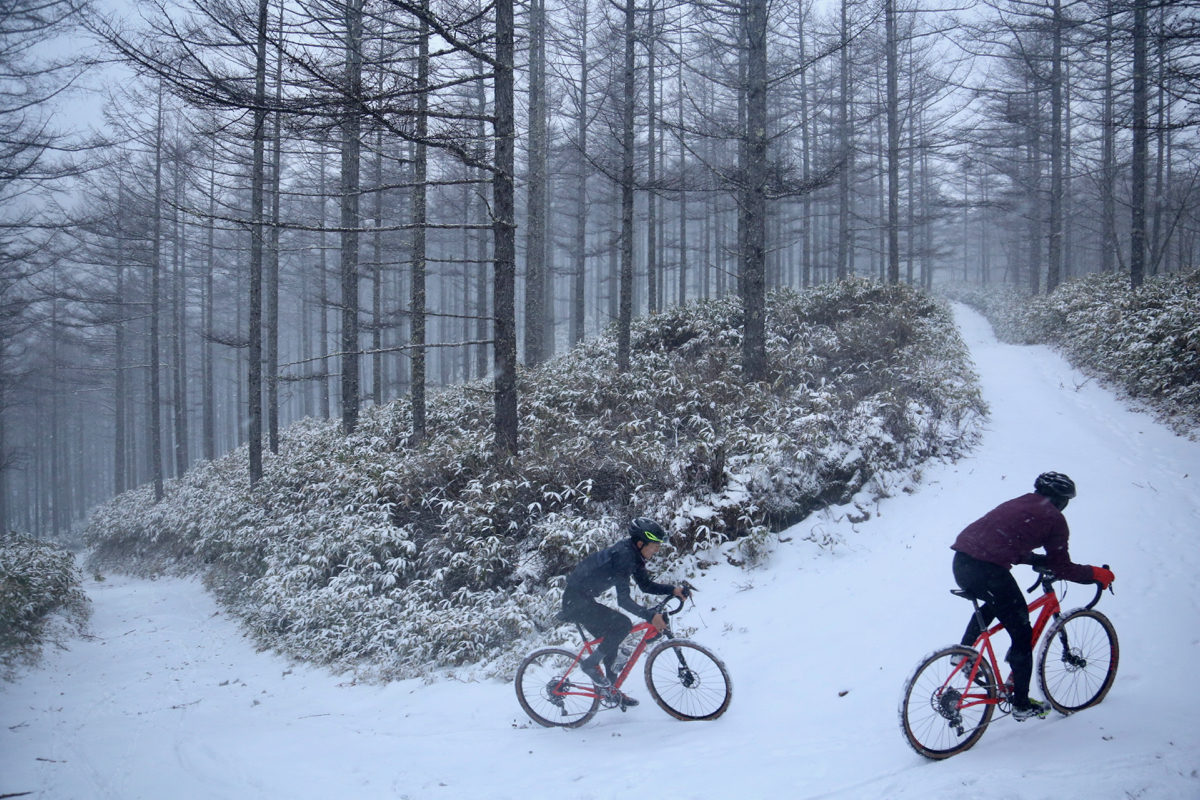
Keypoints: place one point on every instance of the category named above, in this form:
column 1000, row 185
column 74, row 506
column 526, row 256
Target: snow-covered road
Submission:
column 168, row 700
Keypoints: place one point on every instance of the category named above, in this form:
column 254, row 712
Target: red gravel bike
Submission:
column 951, row 697
column 686, row 679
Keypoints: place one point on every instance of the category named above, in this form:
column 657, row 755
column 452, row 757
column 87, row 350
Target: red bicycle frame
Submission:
column 1047, row 607
column 649, row 633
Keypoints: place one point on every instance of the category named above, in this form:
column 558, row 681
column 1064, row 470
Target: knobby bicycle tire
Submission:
column 541, row 682
column 930, row 718
column 1077, row 662
column 688, row 681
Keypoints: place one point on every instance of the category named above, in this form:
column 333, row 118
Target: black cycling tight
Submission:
column 1002, row 599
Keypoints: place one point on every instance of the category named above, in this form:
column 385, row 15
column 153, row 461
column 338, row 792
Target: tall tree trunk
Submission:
column 469, row 304
column 504, row 235
column 742, row 141
column 1137, row 182
column 155, row 412
column 985, row 262
column 1108, row 158
column 625, row 317
column 419, row 216
column 179, row 267
column 1162, row 134
column 653, row 302
column 257, row 181
column 119, row 390
column 1054, row 251
column 324, row 387
column 272, row 266
column 847, row 153
column 754, row 172
column 481, row 246
column 806, row 233
column 911, row 179
column 683, row 186
column 1068, row 205
column 1033, row 166
column 578, row 278
column 377, row 279
column 56, row 481
column 535, row 241
column 209, row 422
column 350, row 182
column 893, row 145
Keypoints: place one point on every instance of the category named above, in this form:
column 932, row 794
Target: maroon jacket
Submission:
column 1010, row 532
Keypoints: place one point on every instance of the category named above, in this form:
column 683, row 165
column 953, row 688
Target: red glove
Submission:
column 1102, row 576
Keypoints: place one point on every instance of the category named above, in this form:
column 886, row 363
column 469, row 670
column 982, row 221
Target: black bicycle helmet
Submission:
column 645, row 530
column 1054, row 484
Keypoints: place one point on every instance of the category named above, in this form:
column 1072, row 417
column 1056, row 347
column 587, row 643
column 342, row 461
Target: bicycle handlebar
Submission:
column 1046, row 579
column 661, row 608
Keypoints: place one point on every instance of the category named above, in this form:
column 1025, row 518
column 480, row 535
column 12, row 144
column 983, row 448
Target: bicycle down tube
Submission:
column 1047, row 607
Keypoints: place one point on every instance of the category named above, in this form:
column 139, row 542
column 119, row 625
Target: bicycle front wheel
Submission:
column 1078, row 661
column 551, row 693
column 688, row 681
column 941, row 713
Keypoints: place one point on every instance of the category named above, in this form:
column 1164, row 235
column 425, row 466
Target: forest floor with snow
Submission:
column 167, row 698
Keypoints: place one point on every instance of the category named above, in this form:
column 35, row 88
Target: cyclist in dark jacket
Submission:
column 987, row 549
column 614, row 567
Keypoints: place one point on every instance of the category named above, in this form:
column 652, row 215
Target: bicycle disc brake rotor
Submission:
column 1073, row 660
column 688, row 678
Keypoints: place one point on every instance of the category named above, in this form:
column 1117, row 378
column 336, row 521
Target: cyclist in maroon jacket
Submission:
column 1007, row 535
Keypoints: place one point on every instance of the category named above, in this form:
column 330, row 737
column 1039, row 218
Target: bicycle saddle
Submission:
column 964, row 594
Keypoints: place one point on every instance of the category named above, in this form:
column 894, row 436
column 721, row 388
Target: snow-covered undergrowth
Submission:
column 1146, row 343
column 40, row 599
column 392, row 558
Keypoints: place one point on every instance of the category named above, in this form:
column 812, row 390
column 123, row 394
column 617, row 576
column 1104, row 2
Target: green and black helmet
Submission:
column 645, row 530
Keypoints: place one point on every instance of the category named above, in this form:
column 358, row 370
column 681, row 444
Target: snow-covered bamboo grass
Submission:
column 1145, row 342
column 41, row 600
column 366, row 553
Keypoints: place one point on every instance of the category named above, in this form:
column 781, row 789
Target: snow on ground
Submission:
column 169, row 700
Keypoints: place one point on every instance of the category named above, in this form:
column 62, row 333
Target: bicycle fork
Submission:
column 1072, row 658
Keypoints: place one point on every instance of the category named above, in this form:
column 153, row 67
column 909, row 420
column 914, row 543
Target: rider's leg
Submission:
column 973, row 575
column 607, row 623
column 1002, row 598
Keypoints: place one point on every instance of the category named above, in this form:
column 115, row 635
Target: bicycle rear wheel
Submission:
column 1077, row 663
column 553, row 695
column 942, row 714
column 688, row 681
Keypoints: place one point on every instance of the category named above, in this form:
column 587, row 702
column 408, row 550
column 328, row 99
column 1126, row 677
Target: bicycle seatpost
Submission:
column 978, row 615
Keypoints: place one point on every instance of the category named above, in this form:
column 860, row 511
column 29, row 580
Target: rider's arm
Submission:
column 1058, row 557
column 646, row 584
column 628, row 564
column 625, row 601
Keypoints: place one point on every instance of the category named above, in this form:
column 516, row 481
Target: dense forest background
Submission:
column 300, row 208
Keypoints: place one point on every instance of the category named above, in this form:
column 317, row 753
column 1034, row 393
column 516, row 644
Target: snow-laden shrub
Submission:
column 1145, row 342
column 375, row 552
column 40, row 599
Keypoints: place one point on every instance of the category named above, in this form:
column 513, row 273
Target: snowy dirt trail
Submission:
column 168, row 700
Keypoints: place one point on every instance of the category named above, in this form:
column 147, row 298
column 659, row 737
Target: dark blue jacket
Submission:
column 614, row 566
